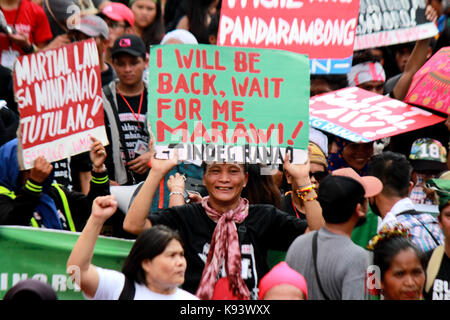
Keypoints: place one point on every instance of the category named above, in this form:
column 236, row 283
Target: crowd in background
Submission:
column 228, row 231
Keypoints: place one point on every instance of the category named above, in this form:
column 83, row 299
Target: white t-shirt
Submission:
column 111, row 284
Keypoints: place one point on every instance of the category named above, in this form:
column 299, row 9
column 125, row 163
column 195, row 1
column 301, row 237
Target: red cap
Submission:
column 119, row 12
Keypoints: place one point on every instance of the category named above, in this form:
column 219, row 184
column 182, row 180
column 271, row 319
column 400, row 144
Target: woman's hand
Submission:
column 97, row 154
column 103, row 208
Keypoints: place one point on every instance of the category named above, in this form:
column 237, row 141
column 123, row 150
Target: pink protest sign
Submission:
column 324, row 30
column 430, row 87
column 361, row 116
column 60, row 102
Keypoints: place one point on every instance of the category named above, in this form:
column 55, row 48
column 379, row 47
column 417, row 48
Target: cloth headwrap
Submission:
column 224, row 248
column 181, row 35
column 282, row 274
column 9, row 172
column 364, row 72
column 317, row 155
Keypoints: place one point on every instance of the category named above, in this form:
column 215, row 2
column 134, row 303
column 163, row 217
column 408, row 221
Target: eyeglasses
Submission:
column 318, row 175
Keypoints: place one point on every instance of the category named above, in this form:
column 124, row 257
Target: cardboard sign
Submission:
column 228, row 104
column 361, row 116
column 324, row 30
column 41, row 254
column 60, row 102
column 385, row 22
column 430, row 87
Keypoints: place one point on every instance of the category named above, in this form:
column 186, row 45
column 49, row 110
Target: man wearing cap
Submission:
column 120, row 21
column 125, row 107
column 428, row 158
column 318, row 255
column 393, row 204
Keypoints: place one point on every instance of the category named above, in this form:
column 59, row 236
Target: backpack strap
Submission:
column 413, row 213
column 128, row 290
column 433, row 266
column 314, row 252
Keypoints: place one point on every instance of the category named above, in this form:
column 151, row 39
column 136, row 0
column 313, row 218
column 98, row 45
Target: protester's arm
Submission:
column 79, row 263
column 85, row 179
column 416, row 60
column 313, row 211
column 57, row 42
column 136, row 219
column 176, row 186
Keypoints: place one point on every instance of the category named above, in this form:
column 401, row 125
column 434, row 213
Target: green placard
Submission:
column 41, row 254
column 205, row 99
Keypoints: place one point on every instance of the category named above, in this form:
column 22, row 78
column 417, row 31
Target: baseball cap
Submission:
column 282, row 274
column 428, row 154
column 372, row 185
column 119, row 12
column 130, row 44
column 92, row 26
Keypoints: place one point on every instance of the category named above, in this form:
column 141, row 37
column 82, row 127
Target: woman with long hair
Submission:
column 148, row 25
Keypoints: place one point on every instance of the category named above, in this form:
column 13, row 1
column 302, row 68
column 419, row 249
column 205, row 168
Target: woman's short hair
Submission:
column 149, row 244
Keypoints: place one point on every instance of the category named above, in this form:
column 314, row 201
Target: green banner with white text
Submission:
column 42, row 254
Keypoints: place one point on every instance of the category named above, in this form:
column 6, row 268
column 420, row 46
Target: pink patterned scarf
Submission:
column 224, row 247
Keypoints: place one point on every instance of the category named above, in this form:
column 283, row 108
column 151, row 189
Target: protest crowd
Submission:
column 364, row 216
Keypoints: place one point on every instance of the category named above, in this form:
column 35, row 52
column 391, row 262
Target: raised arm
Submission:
column 416, row 60
column 136, row 219
column 313, row 211
column 79, row 264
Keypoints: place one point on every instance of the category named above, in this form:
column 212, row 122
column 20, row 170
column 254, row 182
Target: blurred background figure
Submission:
column 30, row 290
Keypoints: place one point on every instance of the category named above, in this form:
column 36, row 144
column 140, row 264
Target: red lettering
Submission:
column 255, row 87
column 240, row 61
column 239, row 132
column 193, row 76
column 161, row 104
column 159, row 58
column 259, row 134
column 164, row 83
column 221, row 108
column 205, row 61
column 235, row 107
column 200, row 132
column 187, row 60
column 216, row 133
column 208, row 83
column 217, row 62
column 180, row 109
column 194, row 108
column 182, row 84
column 252, row 59
column 161, row 128
column 276, row 89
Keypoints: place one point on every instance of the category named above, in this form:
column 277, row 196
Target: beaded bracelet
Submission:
column 301, row 193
